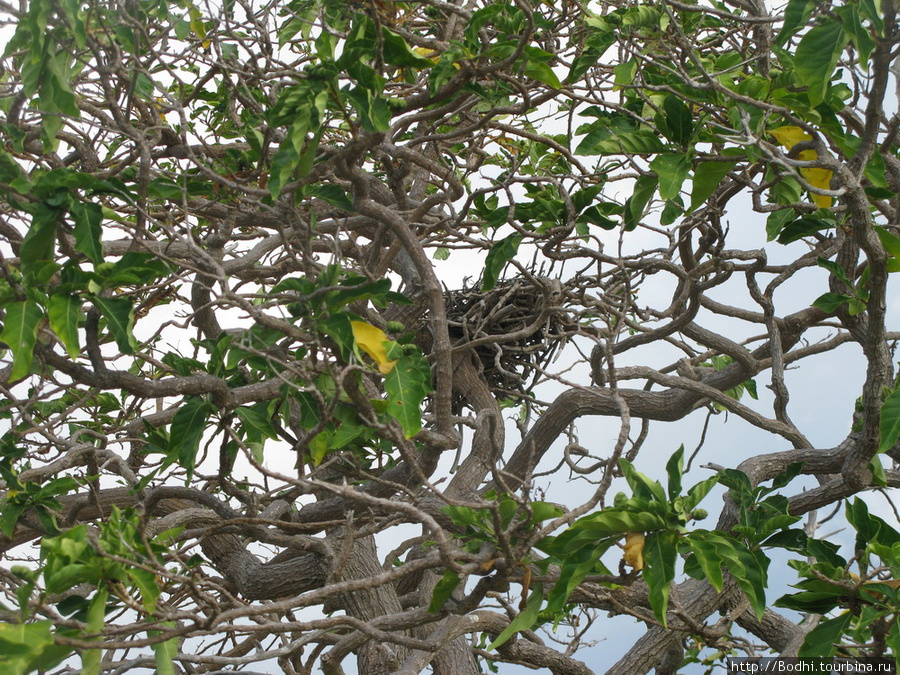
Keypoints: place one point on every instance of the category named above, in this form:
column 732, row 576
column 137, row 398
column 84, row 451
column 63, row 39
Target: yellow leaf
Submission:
column 198, row 26
column 634, row 550
column 789, row 136
column 371, row 340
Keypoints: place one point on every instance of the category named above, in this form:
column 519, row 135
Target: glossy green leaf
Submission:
column 660, row 554
column 501, row 253
column 20, row 330
column 601, row 140
column 288, row 155
column 817, row 55
column 890, row 421
column 542, row 73
column 869, row 528
column 678, row 123
column 858, row 34
column 525, row 620
column 707, row 557
column 88, row 219
column 796, row 14
column 164, row 654
column 396, row 52
column 407, row 385
column 25, row 648
column 96, row 618
column 644, row 189
column 256, row 422
column 697, row 492
column 674, row 471
column 443, row 590
column 64, row 313
column 187, row 430
column 597, row 526
column 642, row 486
column 707, row 177
column 574, row 568
column 802, row 227
column 829, row 302
column 823, row 640
column 754, row 580
column 541, row 511
column 39, row 242
column 672, row 170
column 119, row 316
column 148, row 586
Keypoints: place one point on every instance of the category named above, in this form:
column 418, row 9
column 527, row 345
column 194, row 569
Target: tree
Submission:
column 247, row 424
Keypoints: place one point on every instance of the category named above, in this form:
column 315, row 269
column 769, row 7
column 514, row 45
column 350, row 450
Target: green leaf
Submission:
column 396, row 52
column 823, row 640
column 542, row 72
column 443, row 590
column 829, row 302
column 707, row 557
column 696, row 493
column 64, row 313
column 817, row 55
column 525, row 620
column 835, row 269
column 10, row 513
column 574, row 568
column 659, row 569
column 96, row 617
column 672, row 170
column 407, row 385
column 40, row 240
column 624, row 72
column 642, row 486
column 598, row 526
column 707, row 177
column 26, row 648
column 674, row 471
column 188, row 426
column 812, row 602
column 256, row 422
column 802, row 227
column 644, row 188
column 501, row 253
column 678, row 124
column 858, row 34
column 754, row 579
column 602, row 140
column 165, row 652
column 288, row 154
column 796, row 14
column 147, row 584
column 541, row 511
column 88, row 219
column 20, row 332
column 119, row 320
column 333, row 194
column 869, row 528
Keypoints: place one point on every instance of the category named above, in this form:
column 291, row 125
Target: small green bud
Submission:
column 395, row 327
column 699, row 514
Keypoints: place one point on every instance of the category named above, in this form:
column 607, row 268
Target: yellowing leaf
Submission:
column 426, row 53
column 634, row 550
column 198, row 26
column 789, row 136
column 371, row 340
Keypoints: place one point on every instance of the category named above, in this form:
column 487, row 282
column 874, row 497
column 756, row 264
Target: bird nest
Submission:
column 515, row 329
